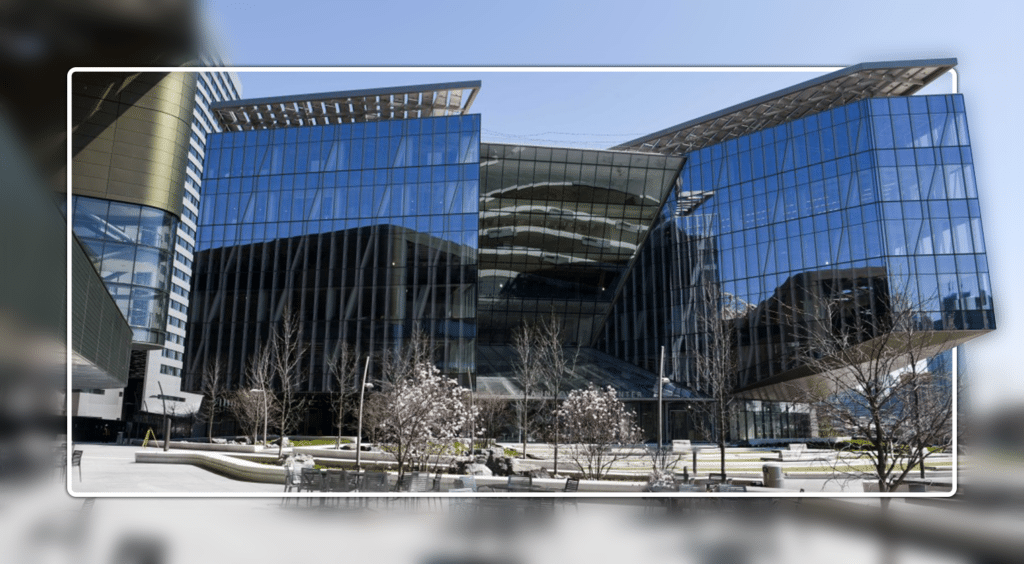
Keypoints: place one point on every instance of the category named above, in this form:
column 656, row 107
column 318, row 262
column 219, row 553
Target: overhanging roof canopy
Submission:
column 353, row 106
column 859, row 82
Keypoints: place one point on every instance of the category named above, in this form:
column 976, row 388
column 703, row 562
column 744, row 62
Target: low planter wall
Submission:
column 320, row 452
column 228, row 465
column 245, row 470
column 214, row 447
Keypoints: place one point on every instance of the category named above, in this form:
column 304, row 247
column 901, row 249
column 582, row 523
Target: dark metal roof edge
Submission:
column 949, row 63
column 321, row 96
column 612, row 150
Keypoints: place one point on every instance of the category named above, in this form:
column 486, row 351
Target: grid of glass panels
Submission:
column 365, row 229
column 934, row 242
column 131, row 247
column 659, row 296
column 557, row 229
column 875, row 197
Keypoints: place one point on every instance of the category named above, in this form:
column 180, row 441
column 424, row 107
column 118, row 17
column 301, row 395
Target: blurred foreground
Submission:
column 39, row 522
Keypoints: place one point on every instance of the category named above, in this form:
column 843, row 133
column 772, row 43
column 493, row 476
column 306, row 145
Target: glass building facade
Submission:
column 558, row 229
column 366, row 230
column 130, row 246
column 877, row 198
column 372, row 228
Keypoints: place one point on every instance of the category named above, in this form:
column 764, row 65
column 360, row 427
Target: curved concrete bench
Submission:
column 240, row 469
column 228, row 465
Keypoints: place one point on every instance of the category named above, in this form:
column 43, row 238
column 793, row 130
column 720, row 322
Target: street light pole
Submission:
column 167, row 422
column 661, row 386
column 359, row 432
column 266, row 416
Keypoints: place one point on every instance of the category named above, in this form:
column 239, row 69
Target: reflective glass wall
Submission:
column 366, row 230
column 131, row 247
column 875, row 198
column 558, row 228
column 934, row 242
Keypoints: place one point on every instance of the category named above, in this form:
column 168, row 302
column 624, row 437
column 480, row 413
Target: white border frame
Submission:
column 480, row 69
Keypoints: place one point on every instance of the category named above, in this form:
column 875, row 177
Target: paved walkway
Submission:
column 112, row 469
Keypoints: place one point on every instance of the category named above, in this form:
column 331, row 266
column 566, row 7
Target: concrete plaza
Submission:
column 108, row 468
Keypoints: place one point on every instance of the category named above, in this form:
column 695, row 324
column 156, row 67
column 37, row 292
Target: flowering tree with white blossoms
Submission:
column 424, row 412
column 596, row 427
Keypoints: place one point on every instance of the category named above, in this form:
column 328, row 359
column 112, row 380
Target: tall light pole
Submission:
column 661, row 387
column 359, row 432
column 167, row 422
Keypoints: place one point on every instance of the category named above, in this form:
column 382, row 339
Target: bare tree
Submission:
column 528, row 373
column 494, row 414
column 716, row 365
column 598, row 429
column 871, row 352
column 213, row 390
column 343, row 366
column 186, row 416
column 286, row 353
column 259, row 379
column 554, row 366
column 246, row 406
column 663, row 466
column 930, row 403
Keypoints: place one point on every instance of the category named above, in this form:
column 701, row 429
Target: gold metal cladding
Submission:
column 130, row 136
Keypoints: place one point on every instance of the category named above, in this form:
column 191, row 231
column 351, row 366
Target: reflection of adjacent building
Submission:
column 772, row 336
column 356, row 210
column 405, row 279
column 558, row 229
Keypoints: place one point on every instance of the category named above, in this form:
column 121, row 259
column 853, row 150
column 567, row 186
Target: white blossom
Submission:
column 597, row 428
column 426, row 413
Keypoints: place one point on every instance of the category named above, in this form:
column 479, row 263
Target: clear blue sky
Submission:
column 583, row 109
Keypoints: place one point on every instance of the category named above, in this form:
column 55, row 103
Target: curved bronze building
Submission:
column 130, row 142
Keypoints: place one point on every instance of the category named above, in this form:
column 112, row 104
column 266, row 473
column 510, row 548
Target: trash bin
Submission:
column 772, row 476
column 120, row 437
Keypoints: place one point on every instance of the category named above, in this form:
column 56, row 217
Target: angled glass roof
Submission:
column 866, row 80
column 352, row 106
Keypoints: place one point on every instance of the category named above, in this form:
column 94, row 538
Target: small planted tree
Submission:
column 597, row 428
column 246, row 406
column 343, row 367
column 259, row 395
column 528, row 373
column 554, row 365
column 286, row 351
column 494, row 414
column 213, row 394
column 716, row 366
